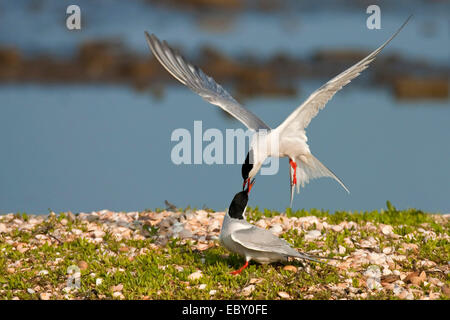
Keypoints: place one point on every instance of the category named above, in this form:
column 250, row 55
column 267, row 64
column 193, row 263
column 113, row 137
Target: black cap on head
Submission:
column 238, row 205
column 247, row 166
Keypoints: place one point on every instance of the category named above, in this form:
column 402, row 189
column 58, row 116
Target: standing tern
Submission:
column 260, row 245
column 289, row 137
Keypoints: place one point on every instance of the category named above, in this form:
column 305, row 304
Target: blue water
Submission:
column 298, row 31
column 84, row 148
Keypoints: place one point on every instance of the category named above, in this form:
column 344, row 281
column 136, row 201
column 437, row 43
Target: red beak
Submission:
column 245, row 183
column 250, row 185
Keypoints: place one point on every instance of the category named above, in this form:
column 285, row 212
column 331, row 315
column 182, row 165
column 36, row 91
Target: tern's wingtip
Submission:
column 149, row 36
column 406, row 21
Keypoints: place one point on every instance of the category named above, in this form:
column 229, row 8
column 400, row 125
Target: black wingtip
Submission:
column 407, row 20
column 404, row 24
column 150, row 37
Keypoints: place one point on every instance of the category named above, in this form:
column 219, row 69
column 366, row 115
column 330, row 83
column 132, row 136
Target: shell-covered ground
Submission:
column 175, row 254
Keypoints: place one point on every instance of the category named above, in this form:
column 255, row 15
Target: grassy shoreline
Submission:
column 386, row 254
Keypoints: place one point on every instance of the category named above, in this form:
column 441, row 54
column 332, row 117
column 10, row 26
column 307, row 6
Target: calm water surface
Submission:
column 84, row 148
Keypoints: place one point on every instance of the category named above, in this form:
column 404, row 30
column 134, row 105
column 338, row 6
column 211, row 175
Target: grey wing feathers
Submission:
column 303, row 115
column 202, row 84
column 262, row 240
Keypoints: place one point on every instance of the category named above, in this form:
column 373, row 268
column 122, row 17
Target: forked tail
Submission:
column 307, row 256
column 315, row 169
column 310, row 169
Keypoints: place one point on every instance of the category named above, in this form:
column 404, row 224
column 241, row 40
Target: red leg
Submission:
column 240, row 270
column 294, row 166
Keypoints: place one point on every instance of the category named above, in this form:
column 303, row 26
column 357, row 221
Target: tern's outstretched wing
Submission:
column 294, row 126
column 302, row 116
column 196, row 80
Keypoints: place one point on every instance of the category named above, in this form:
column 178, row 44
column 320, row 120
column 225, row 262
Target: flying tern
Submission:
column 289, row 137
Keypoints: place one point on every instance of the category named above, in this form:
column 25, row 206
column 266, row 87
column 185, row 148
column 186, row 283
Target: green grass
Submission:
column 144, row 276
column 163, row 273
column 392, row 216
